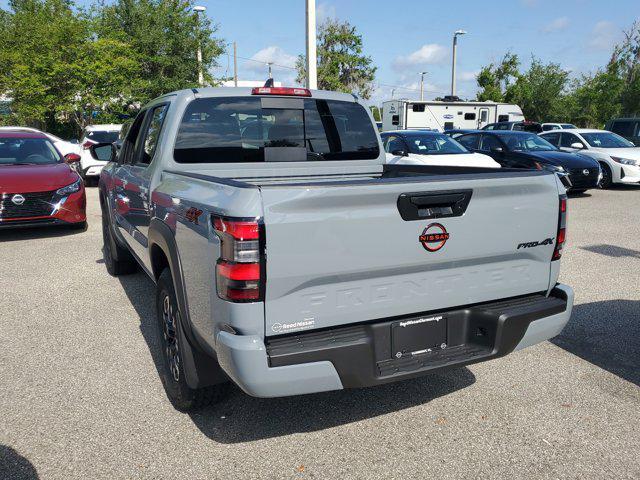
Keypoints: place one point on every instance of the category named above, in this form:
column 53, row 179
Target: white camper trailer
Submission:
column 445, row 115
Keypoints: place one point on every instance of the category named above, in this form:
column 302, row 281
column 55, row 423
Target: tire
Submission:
column 117, row 259
column 181, row 396
column 577, row 192
column 607, row 179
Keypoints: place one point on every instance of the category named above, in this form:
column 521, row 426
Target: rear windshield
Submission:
column 101, row 136
column 260, row 129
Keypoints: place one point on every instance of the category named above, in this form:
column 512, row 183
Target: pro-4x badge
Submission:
column 434, row 237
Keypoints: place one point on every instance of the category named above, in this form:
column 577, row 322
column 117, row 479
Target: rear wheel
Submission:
column 606, row 181
column 577, row 192
column 181, row 396
column 117, row 259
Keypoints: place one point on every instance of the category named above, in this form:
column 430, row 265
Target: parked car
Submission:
column 524, row 126
column 90, row 167
column 617, row 156
column 37, row 185
column 64, row 147
column 375, row 273
column 557, row 126
column 422, row 147
column 528, row 150
column 628, row 128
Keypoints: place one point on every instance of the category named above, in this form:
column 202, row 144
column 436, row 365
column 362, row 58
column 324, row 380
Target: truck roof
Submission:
column 208, row 92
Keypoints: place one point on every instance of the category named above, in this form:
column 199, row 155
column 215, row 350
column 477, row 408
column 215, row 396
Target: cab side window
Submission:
column 154, row 126
column 128, row 150
column 395, row 144
column 489, row 142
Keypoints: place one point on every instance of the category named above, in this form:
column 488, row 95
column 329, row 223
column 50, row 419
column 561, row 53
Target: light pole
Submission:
column 393, row 91
column 269, row 65
column 422, row 74
column 312, row 68
column 199, row 9
column 453, row 60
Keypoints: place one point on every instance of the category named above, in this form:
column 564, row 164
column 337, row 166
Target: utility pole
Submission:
column 393, row 91
column 199, row 9
column 312, row 68
column 453, row 60
column 269, row 65
column 235, row 64
column 422, row 74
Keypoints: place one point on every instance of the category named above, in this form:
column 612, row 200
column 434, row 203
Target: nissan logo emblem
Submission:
column 585, row 172
column 17, row 199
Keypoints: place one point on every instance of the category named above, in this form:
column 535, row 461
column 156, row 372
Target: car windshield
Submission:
column 434, row 144
column 606, row 140
column 526, row 143
column 103, row 136
column 274, row 129
column 27, row 151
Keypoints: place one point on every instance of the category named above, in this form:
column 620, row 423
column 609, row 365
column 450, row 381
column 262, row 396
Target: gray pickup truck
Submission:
column 290, row 259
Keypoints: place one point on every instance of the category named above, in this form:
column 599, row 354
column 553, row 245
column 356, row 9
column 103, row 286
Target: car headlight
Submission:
column 625, row 161
column 71, row 188
column 553, row 168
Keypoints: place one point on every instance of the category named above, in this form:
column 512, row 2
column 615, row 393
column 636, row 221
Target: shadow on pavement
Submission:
column 14, row 466
column 241, row 418
column 32, row 233
column 606, row 334
column 612, row 251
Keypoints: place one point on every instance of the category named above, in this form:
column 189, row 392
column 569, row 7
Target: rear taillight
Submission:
column 240, row 268
column 286, row 91
column 562, row 228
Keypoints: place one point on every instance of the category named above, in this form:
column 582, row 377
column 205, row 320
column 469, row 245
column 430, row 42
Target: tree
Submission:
column 375, row 111
column 625, row 61
column 593, row 99
column 538, row 91
column 342, row 66
column 494, row 79
column 163, row 36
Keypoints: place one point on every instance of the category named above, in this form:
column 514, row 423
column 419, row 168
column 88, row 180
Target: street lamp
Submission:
column 422, row 74
column 453, row 60
column 199, row 9
column 312, row 67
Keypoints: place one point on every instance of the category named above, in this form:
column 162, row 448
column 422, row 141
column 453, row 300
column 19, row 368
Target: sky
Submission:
column 406, row 37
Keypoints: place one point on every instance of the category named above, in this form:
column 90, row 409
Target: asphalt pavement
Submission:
column 80, row 395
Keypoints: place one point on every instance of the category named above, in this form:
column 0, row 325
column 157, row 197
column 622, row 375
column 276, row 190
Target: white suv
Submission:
column 618, row 158
column 89, row 166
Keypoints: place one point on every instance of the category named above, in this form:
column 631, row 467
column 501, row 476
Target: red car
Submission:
column 38, row 186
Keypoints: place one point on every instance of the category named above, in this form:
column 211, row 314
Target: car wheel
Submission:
column 117, row 259
column 606, row 181
column 577, row 192
column 181, row 396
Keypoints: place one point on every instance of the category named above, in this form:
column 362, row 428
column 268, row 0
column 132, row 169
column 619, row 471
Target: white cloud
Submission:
column 325, row 11
column 468, row 76
column 557, row 25
column 604, row 35
column 427, row 54
column 283, row 65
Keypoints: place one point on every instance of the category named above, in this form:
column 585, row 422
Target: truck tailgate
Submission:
column 342, row 254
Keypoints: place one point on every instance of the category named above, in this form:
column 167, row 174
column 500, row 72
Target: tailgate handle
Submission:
column 426, row 205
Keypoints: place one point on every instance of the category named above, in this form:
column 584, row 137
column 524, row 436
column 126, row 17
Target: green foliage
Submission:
column 375, row 111
column 65, row 68
column 494, row 79
column 341, row 64
column 538, row 90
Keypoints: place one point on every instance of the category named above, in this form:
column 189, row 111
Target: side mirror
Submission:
column 72, row 158
column 104, row 152
column 577, row 145
column 497, row 149
column 399, row 153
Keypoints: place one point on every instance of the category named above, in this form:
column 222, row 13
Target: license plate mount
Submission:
column 418, row 335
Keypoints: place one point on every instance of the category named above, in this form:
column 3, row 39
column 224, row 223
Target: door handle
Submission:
column 428, row 205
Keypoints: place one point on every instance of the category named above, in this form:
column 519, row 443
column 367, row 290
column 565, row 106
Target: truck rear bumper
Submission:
column 362, row 355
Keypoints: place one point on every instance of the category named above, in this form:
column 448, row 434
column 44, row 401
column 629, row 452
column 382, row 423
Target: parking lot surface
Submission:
column 80, row 395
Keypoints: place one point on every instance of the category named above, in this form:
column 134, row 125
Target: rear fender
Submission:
column 200, row 363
